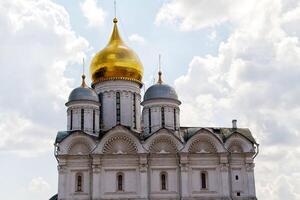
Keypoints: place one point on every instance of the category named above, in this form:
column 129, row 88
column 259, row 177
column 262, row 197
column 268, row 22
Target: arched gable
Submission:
column 119, row 140
column 76, row 144
column 204, row 141
column 236, row 143
column 163, row 141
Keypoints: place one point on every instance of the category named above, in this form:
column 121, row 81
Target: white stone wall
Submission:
column 126, row 89
column 104, row 184
column 88, row 107
column 156, row 122
column 142, row 170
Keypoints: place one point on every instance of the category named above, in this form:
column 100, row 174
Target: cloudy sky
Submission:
column 226, row 58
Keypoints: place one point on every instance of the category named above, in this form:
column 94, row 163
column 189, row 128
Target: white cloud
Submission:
column 136, row 38
column 38, row 184
column 252, row 78
column 37, row 45
column 37, row 188
column 197, row 14
column 93, row 13
column 213, row 35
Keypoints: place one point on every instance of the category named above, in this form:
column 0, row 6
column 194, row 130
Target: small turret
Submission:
column 160, row 107
column 83, row 109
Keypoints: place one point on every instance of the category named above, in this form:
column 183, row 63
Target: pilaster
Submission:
column 96, row 173
column 250, row 178
column 62, row 179
column 184, row 166
column 143, row 168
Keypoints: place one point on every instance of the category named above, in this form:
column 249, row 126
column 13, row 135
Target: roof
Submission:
column 83, row 93
column 160, row 91
column 54, row 197
column 223, row 133
column 61, row 135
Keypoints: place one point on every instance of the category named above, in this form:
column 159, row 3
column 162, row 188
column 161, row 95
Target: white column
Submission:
column 143, row 176
column 109, row 110
column 62, row 180
column 250, row 178
column 224, row 170
column 96, row 166
column 126, row 108
column 184, row 175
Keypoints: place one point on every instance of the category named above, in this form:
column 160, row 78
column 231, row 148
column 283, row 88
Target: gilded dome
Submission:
column 116, row 61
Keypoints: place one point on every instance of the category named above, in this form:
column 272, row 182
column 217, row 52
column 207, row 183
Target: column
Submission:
column 96, row 169
column 184, row 175
column 250, row 178
column 143, row 166
column 62, row 180
column 225, row 183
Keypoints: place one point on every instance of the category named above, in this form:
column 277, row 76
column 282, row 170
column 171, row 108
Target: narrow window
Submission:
column 134, row 110
column 101, row 111
column 175, row 125
column 238, row 194
column 118, row 108
column 94, row 118
column 78, row 183
column 71, row 119
column 163, row 180
column 149, row 119
column 120, row 182
column 203, row 180
column 162, row 116
column 82, row 119
column 236, row 177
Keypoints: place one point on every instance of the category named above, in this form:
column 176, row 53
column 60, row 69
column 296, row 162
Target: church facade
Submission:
column 120, row 145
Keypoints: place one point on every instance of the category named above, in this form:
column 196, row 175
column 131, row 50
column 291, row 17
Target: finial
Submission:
column 83, row 84
column 159, row 70
column 115, row 20
column 115, row 10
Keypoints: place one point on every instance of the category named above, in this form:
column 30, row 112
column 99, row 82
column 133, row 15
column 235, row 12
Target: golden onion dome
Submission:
column 116, row 61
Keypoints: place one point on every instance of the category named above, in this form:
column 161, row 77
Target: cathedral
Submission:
column 122, row 145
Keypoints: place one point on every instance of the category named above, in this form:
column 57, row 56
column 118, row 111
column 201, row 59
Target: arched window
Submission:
column 162, row 116
column 118, row 108
column 82, row 119
column 94, row 122
column 149, row 119
column 134, row 110
column 120, row 182
column 175, row 125
column 101, row 111
column 203, row 180
column 163, row 181
column 79, row 182
column 71, row 119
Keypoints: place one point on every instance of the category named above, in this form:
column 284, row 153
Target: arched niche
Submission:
column 76, row 144
column 202, row 145
column 163, row 142
column 237, row 143
column 120, row 144
column 119, row 140
column 204, row 141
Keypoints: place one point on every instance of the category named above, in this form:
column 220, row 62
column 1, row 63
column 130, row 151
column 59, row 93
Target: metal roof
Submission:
column 160, row 90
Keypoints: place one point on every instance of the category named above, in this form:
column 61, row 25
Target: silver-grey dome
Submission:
column 83, row 94
column 160, row 90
